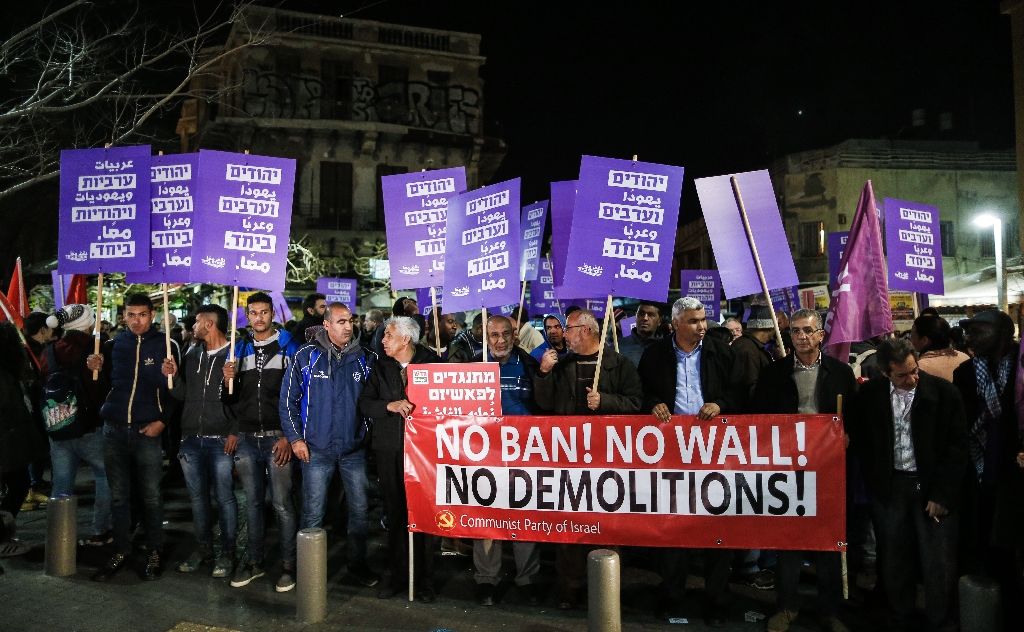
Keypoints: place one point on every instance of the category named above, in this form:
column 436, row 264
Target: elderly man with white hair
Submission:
column 384, row 400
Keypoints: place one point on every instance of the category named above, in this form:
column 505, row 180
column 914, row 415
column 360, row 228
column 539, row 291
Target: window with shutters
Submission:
column 335, row 195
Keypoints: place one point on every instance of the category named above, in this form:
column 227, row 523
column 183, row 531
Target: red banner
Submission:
column 743, row 482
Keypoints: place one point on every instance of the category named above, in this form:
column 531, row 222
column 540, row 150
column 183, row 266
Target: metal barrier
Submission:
column 61, row 536
column 311, row 575
column 604, row 583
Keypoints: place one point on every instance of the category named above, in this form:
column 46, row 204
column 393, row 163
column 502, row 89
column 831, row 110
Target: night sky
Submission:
column 724, row 88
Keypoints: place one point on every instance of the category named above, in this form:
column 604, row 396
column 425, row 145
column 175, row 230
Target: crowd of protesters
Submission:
column 935, row 474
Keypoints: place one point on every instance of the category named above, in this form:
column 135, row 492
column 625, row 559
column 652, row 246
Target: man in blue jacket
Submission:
column 326, row 433
column 134, row 416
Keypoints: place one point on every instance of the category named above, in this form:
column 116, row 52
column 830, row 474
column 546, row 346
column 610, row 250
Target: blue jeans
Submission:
column 203, row 462
column 253, row 460
column 65, row 456
column 316, row 476
column 125, row 449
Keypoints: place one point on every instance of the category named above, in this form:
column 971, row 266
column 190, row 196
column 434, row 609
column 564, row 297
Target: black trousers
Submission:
column 907, row 533
column 17, row 484
column 391, row 469
column 829, row 568
column 675, row 566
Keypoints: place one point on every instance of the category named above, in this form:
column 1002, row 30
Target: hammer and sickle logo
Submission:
column 445, row 520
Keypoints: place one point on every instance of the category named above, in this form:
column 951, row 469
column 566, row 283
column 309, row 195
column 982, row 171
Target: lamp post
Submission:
column 984, row 221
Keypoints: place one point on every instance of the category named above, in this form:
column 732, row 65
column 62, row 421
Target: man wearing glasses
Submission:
column 805, row 382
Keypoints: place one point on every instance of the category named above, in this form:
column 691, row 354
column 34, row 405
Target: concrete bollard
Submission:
column 61, row 536
column 311, row 575
column 603, row 586
column 979, row 604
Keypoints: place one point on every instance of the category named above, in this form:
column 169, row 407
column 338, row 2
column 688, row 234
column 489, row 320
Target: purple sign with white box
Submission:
column 172, row 204
column 705, row 286
column 729, row 240
column 104, row 210
column 482, row 267
column 338, row 291
column 415, row 213
column 532, row 226
column 912, row 246
column 785, row 299
column 244, row 213
column 836, row 246
column 623, row 228
column 423, row 299
column 542, row 291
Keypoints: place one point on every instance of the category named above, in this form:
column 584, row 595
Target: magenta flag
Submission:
column 859, row 308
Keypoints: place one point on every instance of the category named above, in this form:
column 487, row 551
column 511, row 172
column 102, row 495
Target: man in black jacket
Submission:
column 689, row 374
column 909, row 427
column 806, row 382
column 209, row 436
column 134, row 416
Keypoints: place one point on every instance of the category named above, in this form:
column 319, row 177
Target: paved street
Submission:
column 188, row 603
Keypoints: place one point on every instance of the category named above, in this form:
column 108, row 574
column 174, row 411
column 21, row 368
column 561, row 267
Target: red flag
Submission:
column 16, row 293
column 859, row 308
column 9, row 313
column 78, row 293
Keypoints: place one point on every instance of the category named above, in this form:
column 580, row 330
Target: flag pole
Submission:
column 96, row 326
column 757, row 262
column 437, row 321
column 234, row 325
column 21, row 335
column 167, row 334
column 551, row 268
column 842, row 554
column 522, row 300
column 483, row 324
column 604, row 336
column 614, row 327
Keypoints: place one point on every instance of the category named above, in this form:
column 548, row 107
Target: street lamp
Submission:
column 984, row 221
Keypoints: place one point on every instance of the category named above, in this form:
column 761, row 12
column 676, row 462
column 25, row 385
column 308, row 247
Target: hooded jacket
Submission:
column 261, row 370
column 319, row 395
column 538, row 353
column 138, row 390
column 200, row 384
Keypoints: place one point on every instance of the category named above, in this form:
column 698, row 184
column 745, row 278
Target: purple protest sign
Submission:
column 595, row 305
column 836, row 246
column 785, row 299
column 911, row 235
column 627, row 324
column 729, row 240
column 705, row 286
column 244, row 211
column 623, row 228
column 338, row 291
column 542, row 291
column 563, row 198
column 532, row 226
column 61, row 285
column 104, row 210
column 415, row 212
column 282, row 311
column 482, row 248
column 423, row 299
column 172, row 203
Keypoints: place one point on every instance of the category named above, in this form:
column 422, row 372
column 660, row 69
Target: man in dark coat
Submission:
column 806, row 382
column 910, row 431
column 689, row 374
column 993, row 524
column 565, row 387
column 750, row 353
column 384, row 400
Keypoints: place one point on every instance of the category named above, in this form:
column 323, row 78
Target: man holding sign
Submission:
column 566, row 387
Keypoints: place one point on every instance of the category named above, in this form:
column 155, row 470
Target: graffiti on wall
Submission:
column 270, row 94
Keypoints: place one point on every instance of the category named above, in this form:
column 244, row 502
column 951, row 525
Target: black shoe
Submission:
column 363, row 575
column 114, row 564
column 387, row 591
column 485, row 594
column 426, row 595
column 154, row 567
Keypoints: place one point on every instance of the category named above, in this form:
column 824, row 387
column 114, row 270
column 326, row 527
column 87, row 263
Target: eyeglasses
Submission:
column 573, row 327
column 807, row 331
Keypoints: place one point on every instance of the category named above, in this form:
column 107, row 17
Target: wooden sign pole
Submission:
column 99, row 317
